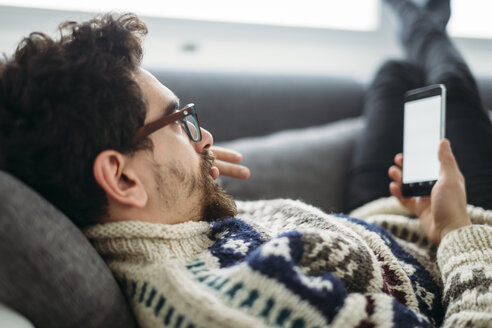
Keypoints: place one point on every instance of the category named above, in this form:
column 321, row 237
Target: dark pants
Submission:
column 431, row 59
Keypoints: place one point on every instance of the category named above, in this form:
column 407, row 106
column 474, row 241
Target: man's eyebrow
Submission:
column 172, row 107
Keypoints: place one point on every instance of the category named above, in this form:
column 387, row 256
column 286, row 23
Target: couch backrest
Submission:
column 239, row 105
column 49, row 271
column 236, row 105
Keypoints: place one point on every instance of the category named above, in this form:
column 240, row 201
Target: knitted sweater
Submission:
column 283, row 263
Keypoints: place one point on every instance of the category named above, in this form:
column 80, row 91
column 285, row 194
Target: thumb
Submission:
column 446, row 157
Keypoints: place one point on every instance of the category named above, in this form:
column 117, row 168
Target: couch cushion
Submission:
column 49, row 271
column 308, row 164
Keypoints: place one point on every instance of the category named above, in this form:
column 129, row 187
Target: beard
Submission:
column 217, row 203
column 214, row 202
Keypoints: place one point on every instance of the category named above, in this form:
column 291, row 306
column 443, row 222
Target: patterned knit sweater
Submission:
column 283, row 263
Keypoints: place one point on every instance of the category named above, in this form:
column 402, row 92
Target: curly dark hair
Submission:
column 64, row 101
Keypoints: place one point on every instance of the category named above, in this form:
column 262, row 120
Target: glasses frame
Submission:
column 189, row 110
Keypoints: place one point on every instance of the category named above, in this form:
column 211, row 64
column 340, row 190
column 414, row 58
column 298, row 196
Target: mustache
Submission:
column 208, row 159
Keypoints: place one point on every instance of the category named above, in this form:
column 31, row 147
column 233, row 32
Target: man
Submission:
column 136, row 172
column 92, row 88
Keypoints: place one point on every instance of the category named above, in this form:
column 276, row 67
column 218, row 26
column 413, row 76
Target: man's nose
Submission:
column 206, row 142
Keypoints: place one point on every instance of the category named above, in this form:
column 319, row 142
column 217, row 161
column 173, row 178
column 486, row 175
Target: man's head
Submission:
column 69, row 113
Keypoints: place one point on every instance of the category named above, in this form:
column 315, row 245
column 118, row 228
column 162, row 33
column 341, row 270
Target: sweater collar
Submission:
column 143, row 241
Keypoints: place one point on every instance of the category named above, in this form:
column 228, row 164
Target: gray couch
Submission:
column 296, row 134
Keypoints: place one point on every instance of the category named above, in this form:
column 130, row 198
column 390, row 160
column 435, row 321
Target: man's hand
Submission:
column 445, row 209
column 227, row 161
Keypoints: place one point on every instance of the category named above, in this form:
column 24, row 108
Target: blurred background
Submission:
column 341, row 38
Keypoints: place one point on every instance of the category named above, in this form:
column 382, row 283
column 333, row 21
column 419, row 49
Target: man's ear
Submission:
column 118, row 179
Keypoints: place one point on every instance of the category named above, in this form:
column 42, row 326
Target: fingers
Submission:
column 395, row 190
column 227, row 162
column 394, row 173
column 233, row 170
column 214, row 172
column 227, row 155
column 408, row 202
column 399, row 159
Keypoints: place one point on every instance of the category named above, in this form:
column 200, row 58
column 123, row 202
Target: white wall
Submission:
column 184, row 44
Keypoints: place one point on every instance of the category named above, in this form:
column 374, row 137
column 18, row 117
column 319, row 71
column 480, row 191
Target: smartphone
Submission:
column 423, row 129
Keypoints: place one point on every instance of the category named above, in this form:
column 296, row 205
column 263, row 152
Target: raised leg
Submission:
column 382, row 137
column 432, row 58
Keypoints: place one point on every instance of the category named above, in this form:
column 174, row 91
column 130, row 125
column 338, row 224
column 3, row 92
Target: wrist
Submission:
column 454, row 226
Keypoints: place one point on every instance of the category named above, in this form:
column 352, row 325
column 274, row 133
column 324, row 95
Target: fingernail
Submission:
column 244, row 172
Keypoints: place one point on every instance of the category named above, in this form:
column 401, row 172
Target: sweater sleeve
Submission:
column 465, row 259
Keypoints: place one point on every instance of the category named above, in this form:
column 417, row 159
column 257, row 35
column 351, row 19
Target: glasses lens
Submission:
column 192, row 127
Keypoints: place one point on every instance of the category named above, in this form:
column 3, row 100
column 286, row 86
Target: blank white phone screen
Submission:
column 421, row 137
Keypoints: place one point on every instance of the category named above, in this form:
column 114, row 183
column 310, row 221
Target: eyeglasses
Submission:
column 188, row 118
